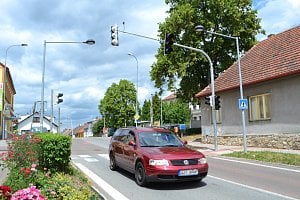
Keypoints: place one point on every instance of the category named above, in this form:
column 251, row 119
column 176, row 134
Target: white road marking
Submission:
column 115, row 194
column 91, row 159
column 253, row 188
column 84, row 156
column 257, row 164
column 104, row 156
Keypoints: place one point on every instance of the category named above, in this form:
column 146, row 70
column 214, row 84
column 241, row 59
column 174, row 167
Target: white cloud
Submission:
column 81, row 72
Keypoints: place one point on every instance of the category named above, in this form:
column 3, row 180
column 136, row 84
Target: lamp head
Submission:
column 24, row 45
column 199, row 28
column 90, row 42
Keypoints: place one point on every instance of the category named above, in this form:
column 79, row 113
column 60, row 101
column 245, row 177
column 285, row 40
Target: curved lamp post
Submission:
column 89, row 42
column 200, row 28
column 137, row 88
column 4, row 87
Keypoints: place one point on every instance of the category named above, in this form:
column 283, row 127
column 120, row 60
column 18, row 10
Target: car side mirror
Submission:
column 131, row 143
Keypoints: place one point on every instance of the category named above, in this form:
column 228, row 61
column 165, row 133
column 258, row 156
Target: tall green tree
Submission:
column 145, row 112
column 229, row 17
column 118, row 104
column 176, row 112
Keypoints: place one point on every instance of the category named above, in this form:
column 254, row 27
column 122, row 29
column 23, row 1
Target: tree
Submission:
column 98, row 127
column 145, row 113
column 118, row 104
column 176, row 112
column 229, row 17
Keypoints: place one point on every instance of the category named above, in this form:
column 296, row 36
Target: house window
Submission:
column 218, row 116
column 36, row 120
column 260, row 107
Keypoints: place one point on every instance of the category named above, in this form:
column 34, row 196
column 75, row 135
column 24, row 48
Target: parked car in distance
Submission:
column 155, row 155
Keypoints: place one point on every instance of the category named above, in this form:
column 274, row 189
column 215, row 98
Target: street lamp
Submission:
column 136, row 117
column 200, row 28
column 89, row 42
column 4, row 87
column 212, row 89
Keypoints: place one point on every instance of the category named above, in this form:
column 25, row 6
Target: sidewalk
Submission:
column 3, row 173
column 209, row 149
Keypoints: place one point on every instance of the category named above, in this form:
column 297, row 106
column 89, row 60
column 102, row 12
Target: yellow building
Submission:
column 7, row 102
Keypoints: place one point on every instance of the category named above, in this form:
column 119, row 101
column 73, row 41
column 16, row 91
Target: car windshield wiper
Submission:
column 171, row 145
column 150, row 146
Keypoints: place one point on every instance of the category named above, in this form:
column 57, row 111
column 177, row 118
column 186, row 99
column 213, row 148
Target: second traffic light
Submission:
column 168, row 43
column 58, row 98
column 114, row 35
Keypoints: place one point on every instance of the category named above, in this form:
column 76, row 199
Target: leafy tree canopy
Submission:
column 118, row 104
column 229, row 17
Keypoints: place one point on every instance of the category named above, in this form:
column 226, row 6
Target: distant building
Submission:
column 7, row 104
column 31, row 123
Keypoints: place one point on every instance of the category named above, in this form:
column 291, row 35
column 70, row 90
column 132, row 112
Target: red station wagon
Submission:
column 155, row 154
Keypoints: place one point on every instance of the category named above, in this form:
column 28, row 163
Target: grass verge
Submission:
column 268, row 156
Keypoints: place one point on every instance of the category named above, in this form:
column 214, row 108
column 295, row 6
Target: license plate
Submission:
column 188, row 172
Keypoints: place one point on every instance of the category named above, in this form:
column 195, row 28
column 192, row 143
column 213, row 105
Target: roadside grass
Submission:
column 264, row 156
column 268, row 156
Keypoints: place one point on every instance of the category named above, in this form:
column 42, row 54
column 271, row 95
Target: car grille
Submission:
column 182, row 162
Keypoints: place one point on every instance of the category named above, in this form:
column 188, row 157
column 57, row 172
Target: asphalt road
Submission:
column 227, row 179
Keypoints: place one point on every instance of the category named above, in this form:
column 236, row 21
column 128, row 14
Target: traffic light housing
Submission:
column 114, row 35
column 217, row 103
column 208, row 100
column 168, row 43
column 58, row 98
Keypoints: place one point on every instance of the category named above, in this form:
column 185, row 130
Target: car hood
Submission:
column 172, row 152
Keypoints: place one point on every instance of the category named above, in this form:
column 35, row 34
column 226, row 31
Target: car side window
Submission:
column 131, row 136
column 117, row 135
column 124, row 135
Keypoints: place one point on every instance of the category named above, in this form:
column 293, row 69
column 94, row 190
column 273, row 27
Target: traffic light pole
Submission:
column 211, row 76
column 212, row 90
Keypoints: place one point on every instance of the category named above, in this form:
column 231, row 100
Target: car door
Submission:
column 117, row 146
column 129, row 150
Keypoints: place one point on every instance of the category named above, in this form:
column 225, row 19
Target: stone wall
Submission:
column 280, row 141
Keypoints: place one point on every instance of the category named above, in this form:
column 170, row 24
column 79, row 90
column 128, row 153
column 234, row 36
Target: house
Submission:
column 271, row 84
column 31, row 123
column 7, row 101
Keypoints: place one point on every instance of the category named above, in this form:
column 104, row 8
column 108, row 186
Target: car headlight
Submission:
column 163, row 162
column 202, row 161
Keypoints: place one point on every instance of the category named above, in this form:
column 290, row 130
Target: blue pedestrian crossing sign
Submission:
column 243, row 104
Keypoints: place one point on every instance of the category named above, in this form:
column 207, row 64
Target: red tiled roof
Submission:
column 172, row 96
column 275, row 57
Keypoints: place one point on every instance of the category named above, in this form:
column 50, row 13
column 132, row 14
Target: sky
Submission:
column 84, row 72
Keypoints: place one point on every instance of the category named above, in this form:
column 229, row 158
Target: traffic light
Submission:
column 58, row 98
column 168, row 43
column 114, row 35
column 217, row 103
column 208, row 100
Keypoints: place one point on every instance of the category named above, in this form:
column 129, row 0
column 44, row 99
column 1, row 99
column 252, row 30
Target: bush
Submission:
column 26, row 160
column 54, row 152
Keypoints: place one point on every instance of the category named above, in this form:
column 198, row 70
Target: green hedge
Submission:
column 55, row 151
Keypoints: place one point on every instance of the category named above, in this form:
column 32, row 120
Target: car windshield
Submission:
column 159, row 139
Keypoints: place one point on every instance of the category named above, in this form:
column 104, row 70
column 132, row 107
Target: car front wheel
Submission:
column 112, row 162
column 140, row 175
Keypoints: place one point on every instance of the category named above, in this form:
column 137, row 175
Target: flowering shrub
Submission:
column 5, row 192
column 28, row 193
column 22, row 151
